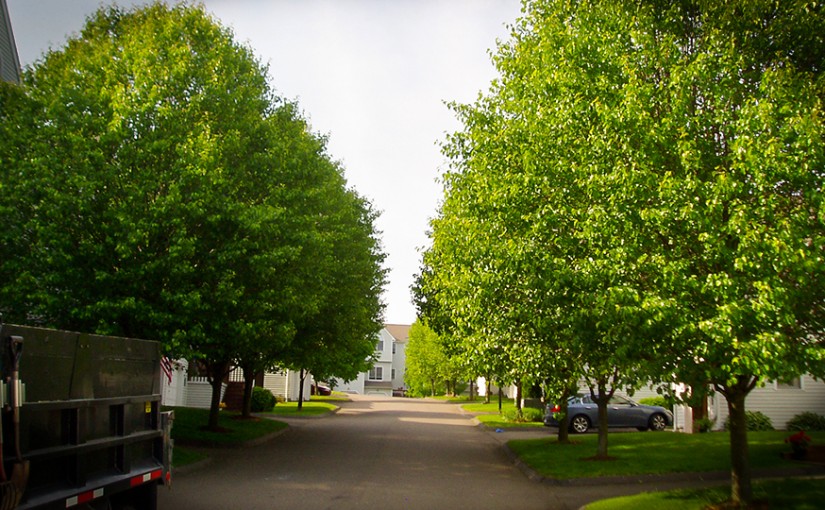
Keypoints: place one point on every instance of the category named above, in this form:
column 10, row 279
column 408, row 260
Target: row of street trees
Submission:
column 154, row 186
column 639, row 197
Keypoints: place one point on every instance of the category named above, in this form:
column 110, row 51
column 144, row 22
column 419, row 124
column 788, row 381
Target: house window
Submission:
column 393, row 348
column 379, row 347
column 376, row 374
column 789, row 384
column 393, row 374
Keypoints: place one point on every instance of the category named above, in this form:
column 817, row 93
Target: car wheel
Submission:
column 579, row 424
column 658, row 423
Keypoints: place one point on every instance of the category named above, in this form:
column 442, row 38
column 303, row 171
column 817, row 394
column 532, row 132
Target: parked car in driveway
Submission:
column 621, row 412
column 320, row 389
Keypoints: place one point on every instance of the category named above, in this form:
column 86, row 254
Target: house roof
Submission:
column 400, row 332
column 9, row 63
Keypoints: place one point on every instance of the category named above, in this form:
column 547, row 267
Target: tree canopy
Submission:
column 164, row 191
column 640, row 192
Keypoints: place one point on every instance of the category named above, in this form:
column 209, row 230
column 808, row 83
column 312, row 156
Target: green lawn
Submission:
column 188, row 433
column 337, row 396
column 489, row 416
column 314, row 407
column 183, row 456
column 480, row 407
column 188, row 428
column 796, row 493
column 496, row 421
column 637, row 453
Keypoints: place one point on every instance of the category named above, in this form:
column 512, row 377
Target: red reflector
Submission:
column 137, row 480
column 84, row 497
column 556, row 409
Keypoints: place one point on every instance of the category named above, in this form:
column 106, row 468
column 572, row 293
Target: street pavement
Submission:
column 388, row 453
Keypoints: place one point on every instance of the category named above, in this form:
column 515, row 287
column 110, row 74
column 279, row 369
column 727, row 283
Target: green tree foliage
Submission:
column 640, row 192
column 163, row 191
column 336, row 339
column 428, row 366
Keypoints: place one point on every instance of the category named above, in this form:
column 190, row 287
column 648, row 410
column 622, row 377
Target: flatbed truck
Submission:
column 82, row 425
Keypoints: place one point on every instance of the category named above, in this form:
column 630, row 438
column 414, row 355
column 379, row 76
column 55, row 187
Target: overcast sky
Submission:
column 373, row 75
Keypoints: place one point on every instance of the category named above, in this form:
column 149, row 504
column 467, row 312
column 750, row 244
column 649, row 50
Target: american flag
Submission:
column 166, row 366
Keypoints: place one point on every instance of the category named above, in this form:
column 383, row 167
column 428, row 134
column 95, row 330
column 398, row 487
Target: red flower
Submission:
column 799, row 441
column 799, row 437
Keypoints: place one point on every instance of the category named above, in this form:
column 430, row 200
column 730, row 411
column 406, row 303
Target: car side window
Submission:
column 618, row 401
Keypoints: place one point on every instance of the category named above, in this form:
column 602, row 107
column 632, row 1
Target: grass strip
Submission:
column 337, row 396
column 311, row 408
column 793, row 493
column 183, row 456
column 492, row 407
column 497, row 421
column 489, row 416
column 189, row 428
column 643, row 453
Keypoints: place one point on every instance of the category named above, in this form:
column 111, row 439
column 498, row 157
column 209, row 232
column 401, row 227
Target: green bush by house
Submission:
column 262, row 400
column 756, row 421
column 806, row 421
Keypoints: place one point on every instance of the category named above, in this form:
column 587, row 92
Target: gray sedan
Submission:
column 621, row 412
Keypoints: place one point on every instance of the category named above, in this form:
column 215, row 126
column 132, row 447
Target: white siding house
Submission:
column 387, row 373
column 778, row 401
column 400, row 334
column 287, row 384
column 180, row 390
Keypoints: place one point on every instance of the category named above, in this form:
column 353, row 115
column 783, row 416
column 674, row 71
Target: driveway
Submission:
column 375, row 453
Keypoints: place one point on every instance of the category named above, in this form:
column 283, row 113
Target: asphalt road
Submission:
column 375, row 453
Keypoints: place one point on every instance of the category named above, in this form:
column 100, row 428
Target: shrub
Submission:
column 755, row 420
column 703, row 424
column 655, row 401
column 262, row 400
column 806, row 421
column 528, row 414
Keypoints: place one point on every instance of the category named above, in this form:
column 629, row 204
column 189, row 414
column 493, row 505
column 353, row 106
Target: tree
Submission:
column 525, row 247
column 173, row 208
column 427, row 366
column 337, row 339
column 741, row 203
column 660, row 165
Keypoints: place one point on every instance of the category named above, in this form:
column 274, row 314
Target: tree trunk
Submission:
column 472, row 390
column 216, row 372
column 489, row 383
column 564, row 423
column 699, row 411
column 740, row 476
column 248, row 384
column 601, row 401
column 499, row 400
column 301, row 390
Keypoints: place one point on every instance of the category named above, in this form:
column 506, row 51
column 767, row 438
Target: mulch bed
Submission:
column 815, row 454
